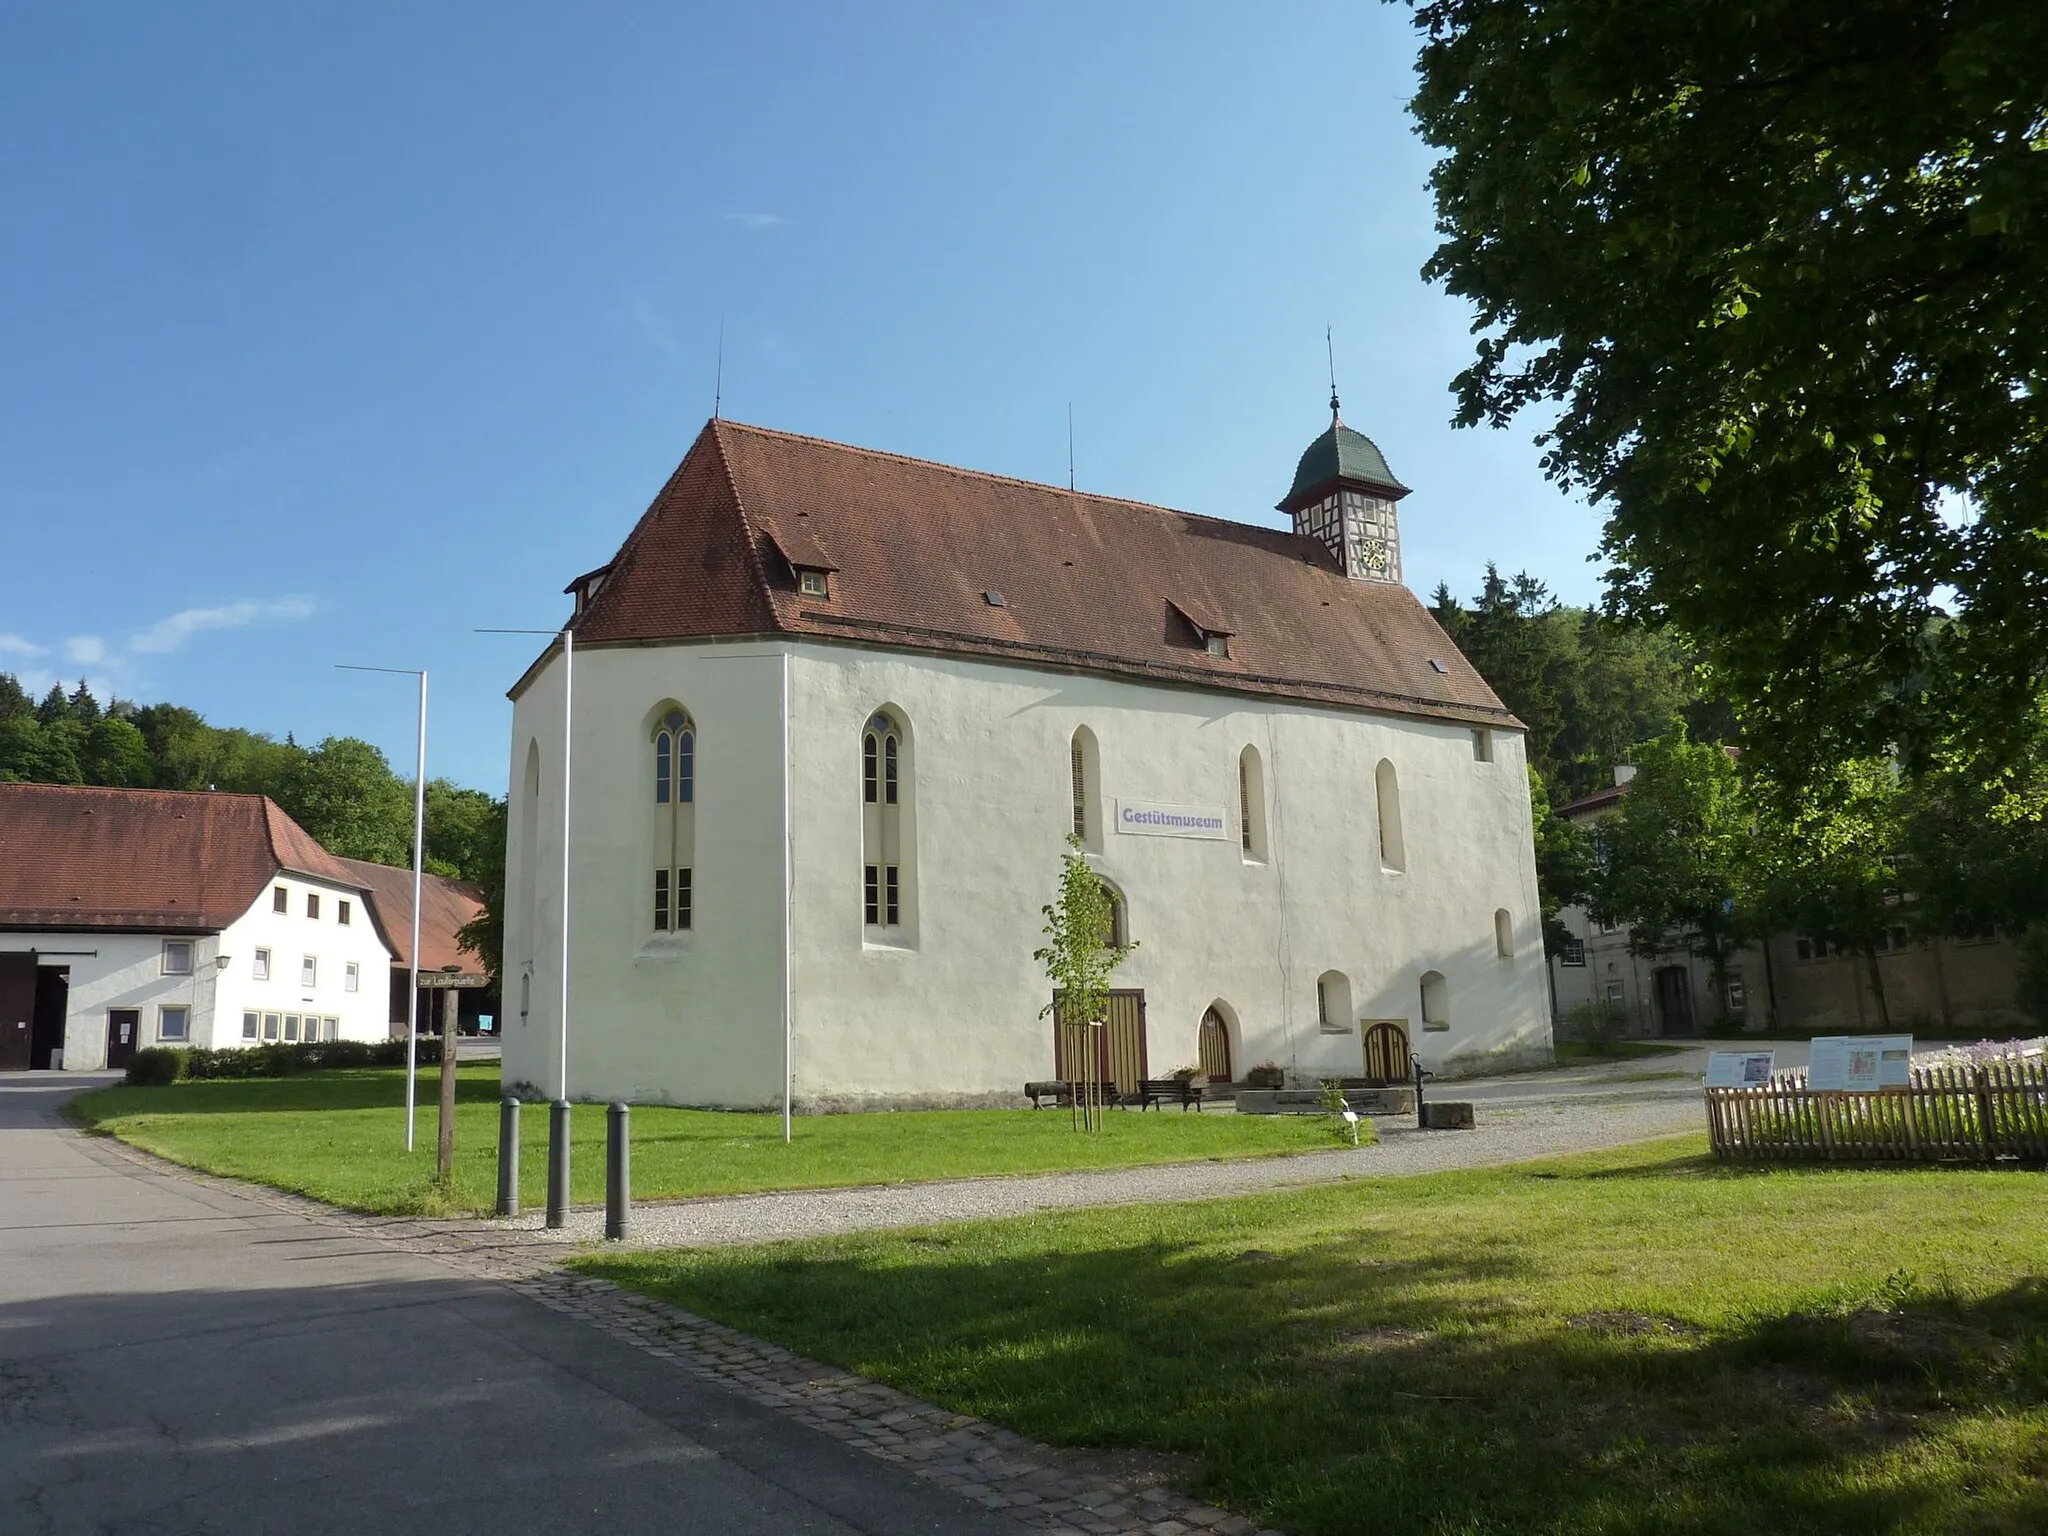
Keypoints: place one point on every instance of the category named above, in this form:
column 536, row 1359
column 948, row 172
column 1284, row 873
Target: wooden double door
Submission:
column 1119, row 1045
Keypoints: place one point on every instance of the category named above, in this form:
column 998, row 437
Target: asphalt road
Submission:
column 175, row 1358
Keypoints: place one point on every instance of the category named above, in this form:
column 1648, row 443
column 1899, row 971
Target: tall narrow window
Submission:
column 1333, row 1003
column 1079, row 765
column 1251, row 805
column 1387, row 791
column 1084, row 767
column 1436, row 1001
column 885, row 898
column 675, row 818
column 313, row 904
column 1503, row 934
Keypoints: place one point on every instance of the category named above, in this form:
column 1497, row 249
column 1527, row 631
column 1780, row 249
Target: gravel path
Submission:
column 1503, row 1135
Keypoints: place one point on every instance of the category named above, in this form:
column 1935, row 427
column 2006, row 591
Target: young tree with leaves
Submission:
column 1079, row 952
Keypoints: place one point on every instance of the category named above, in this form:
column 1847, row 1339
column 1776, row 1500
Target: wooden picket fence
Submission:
column 1968, row 1114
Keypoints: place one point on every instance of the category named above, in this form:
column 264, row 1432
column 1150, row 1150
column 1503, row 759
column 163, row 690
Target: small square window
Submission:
column 312, row 904
column 173, row 1023
column 280, row 900
column 1438, row 666
column 252, row 1025
column 342, row 913
column 1219, row 645
column 309, row 971
column 177, row 957
column 260, row 967
column 814, row 583
column 351, row 977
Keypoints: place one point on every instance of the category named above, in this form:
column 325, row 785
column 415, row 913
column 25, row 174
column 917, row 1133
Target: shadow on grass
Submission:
column 1356, row 1384
column 343, row 1089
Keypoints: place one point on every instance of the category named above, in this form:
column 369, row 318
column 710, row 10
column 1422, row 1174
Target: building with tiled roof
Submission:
column 133, row 917
column 909, row 683
column 452, row 979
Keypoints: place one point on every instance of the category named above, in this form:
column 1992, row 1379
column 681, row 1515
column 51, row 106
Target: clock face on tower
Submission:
column 1370, row 554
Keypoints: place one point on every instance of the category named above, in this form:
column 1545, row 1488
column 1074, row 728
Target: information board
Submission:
column 1740, row 1069
column 1152, row 818
column 1860, row 1063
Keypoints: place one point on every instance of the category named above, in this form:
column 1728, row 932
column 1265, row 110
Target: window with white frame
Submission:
column 1436, row 1001
column 1251, row 806
column 675, row 820
column 273, row 1024
column 1387, row 794
column 291, row 1029
column 1084, row 779
column 260, row 966
column 309, row 971
column 313, row 904
column 1333, row 1003
column 252, row 1025
column 351, row 976
column 177, row 959
column 280, row 899
column 344, row 913
column 885, row 841
column 174, row 1022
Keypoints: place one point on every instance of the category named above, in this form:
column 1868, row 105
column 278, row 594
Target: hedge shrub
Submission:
column 157, row 1065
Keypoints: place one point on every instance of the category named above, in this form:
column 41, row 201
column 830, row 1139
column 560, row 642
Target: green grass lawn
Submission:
column 1632, row 1342
column 340, row 1137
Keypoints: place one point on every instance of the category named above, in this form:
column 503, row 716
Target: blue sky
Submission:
column 330, row 333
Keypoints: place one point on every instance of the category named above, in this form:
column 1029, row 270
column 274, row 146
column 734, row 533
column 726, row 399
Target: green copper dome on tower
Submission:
column 1340, row 454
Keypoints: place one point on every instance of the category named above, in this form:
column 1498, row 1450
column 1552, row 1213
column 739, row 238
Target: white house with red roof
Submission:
column 132, row 917
column 837, row 711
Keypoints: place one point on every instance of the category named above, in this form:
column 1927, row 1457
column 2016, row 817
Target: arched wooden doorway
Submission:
column 1387, row 1061
column 1214, row 1050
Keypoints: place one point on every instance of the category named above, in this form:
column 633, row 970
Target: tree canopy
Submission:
column 1779, row 265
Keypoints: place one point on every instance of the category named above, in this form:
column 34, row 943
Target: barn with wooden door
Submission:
column 835, row 713
column 136, row 917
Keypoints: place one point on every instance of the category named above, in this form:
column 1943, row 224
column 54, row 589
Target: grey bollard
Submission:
column 508, row 1156
column 618, row 1170
column 558, row 1163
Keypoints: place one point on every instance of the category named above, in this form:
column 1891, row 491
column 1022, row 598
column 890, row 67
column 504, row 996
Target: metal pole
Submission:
column 788, row 1029
column 618, row 1172
column 419, row 854
column 508, row 1156
column 568, row 698
column 558, row 1163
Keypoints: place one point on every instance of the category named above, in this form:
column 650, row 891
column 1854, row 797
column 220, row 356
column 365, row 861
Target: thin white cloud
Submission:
column 170, row 634
column 14, row 645
column 755, row 220
column 85, row 650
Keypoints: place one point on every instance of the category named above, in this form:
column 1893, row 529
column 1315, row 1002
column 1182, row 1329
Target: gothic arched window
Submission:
column 886, row 865
column 675, row 820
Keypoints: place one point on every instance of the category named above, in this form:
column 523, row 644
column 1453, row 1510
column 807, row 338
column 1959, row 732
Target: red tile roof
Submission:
column 1086, row 582
column 445, row 905
column 144, row 859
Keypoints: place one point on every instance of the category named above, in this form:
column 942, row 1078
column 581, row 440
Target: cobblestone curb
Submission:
column 1062, row 1493
column 1047, row 1489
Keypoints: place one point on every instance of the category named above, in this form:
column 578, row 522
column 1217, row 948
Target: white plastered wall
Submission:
column 125, row 970
column 948, row 1011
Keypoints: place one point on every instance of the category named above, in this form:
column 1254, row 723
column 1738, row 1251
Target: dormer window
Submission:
column 812, row 582
column 1219, row 645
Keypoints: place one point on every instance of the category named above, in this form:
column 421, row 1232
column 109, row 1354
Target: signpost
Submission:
column 1740, row 1069
column 1860, row 1063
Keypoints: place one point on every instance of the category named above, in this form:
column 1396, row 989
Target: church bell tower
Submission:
column 1344, row 496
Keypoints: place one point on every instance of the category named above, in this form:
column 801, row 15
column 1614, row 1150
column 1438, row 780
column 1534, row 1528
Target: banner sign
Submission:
column 1739, row 1069
column 1860, row 1063
column 1149, row 818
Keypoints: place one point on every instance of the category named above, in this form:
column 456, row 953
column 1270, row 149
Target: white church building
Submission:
column 835, row 713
